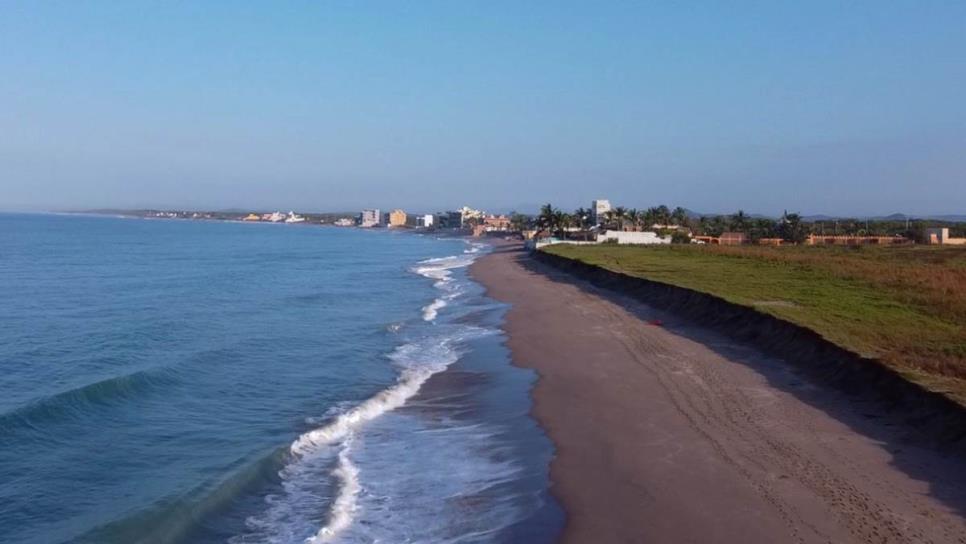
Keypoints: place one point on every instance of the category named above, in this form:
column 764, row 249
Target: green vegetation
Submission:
column 905, row 306
column 790, row 227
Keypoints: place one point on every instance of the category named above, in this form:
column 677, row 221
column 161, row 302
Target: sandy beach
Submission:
column 666, row 432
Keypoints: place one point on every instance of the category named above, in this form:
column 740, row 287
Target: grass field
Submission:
column 905, row 306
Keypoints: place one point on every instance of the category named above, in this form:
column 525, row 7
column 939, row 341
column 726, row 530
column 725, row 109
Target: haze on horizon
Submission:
column 836, row 108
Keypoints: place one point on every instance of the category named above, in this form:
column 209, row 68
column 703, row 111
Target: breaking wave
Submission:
column 328, row 448
column 431, row 310
column 345, row 504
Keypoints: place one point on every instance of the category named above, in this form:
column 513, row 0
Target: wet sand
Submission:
column 671, row 433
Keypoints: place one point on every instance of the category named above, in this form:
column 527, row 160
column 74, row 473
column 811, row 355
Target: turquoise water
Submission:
column 179, row 381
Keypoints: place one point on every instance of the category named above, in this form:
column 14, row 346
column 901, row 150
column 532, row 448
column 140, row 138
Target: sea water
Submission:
column 191, row 381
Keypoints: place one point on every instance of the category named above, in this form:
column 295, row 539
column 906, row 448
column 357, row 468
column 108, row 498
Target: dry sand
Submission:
column 672, row 433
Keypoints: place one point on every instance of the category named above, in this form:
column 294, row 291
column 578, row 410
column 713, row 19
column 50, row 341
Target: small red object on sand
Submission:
column 656, row 322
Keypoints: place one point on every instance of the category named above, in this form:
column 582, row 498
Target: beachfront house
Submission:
column 370, row 218
column 397, row 218
column 597, row 210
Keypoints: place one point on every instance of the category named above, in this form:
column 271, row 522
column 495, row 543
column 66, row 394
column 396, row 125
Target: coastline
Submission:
column 676, row 434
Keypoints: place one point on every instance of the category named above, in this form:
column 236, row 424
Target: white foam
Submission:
column 387, row 400
column 440, row 269
column 294, row 514
column 431, row 310
column 346, row 503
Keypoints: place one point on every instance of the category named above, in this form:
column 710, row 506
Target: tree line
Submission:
column 790, row 227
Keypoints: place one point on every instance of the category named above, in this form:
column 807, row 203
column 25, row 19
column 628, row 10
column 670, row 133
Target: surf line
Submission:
column 408, row 384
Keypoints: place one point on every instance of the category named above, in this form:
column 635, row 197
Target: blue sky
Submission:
column 819, row 107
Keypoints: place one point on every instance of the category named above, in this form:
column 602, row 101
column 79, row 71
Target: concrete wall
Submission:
column 644, row 238
column 941, row 236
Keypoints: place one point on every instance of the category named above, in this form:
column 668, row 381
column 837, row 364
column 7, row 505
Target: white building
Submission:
column 941, row 236
column 370, row 218
column 641, row 238
column 469, row 213
column 425, row 220
column 597, row 210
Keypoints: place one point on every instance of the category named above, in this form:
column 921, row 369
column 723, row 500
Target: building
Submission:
column 370, row 218
column 449, row 220
column 252, row 217
column 732, row 238
column 425, row 220
column 941, row 236
column 818, row 240
column 397, row 218
column 469, row 215
column 496, row 223
column 294, row 218
column 597, row 210
column 344, row 222
column 628, row 237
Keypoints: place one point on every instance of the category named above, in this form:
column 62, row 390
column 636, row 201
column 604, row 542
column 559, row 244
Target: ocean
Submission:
column 191, row 381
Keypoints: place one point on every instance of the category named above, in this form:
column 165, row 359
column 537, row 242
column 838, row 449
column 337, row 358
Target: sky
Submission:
column 849, row 108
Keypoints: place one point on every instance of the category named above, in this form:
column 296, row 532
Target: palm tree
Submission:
column 711, row 226
column 547, row 218
column 562, row 221
column 609, row 220
column 663, row 215
column 633, row 217
column 679, row 216
column 581, row 218
column 739, row 222
column 518, row 221
column 620, row 214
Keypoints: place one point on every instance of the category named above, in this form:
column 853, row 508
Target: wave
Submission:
column 440, row 269
column 176, row 519
column 431, row 310
column 80, row 400
column 345, row 505
column 420, row 361
column 294, row 513
column 475, row 247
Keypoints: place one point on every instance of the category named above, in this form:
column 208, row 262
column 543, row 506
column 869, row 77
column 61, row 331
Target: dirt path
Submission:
column 670, row 433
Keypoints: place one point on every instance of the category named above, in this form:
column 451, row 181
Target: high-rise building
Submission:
column 597, row 210
column 370, row 218
column 449, row 220
column 397, row 218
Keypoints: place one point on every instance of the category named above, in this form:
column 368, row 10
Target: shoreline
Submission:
column 674, row 433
